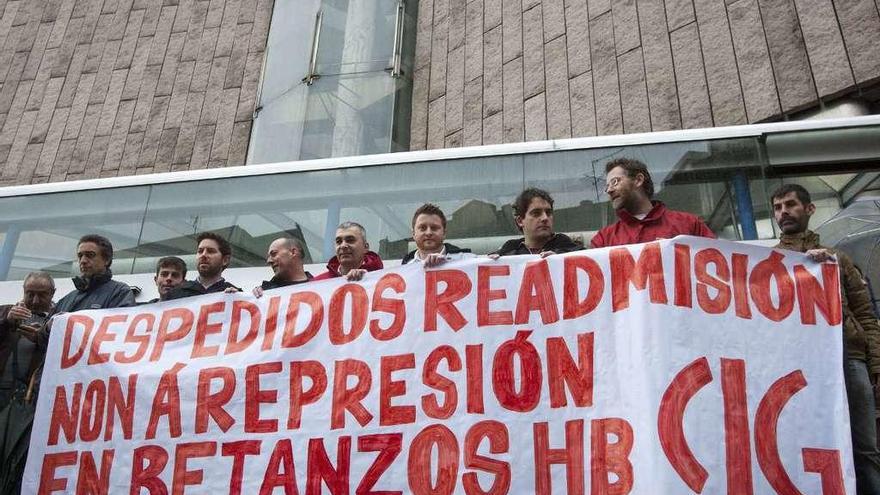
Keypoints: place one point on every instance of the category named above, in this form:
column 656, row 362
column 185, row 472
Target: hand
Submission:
column 544, row 254
column 355, row 274
column 29, row 331
column 231, row 290
column 19, row 312
column 494, row 256
column 433, row 259
column 820, row 255
column 258, row 292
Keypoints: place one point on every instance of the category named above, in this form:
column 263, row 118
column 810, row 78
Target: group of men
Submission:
column 640, row 219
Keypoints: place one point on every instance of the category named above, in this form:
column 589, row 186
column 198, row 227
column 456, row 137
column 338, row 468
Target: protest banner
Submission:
column 680, row 366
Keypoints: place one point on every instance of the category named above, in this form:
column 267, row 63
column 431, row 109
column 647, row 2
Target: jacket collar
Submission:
column 655, row 214
column 802, row 241
column 84, row 284
column 371, row 262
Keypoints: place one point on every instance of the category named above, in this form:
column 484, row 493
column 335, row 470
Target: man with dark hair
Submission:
column 629, row 185
column 533, row 214
column 285, row 256
column 353, row 256
column 792, row 209
column 170, row 274
column 429, row 234
column 213, row 255
column 95, row 287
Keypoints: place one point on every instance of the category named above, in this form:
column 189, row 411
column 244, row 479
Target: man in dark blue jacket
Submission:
column 95, row 287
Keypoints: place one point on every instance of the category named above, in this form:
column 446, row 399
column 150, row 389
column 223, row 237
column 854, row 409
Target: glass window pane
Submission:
column 356, row 36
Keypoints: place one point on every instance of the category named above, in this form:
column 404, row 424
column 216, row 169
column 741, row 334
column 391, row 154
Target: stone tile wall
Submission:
column 103, row 88
column 492, row 71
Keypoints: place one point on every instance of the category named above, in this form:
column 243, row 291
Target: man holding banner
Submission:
column 353, row 256
column 533, row 214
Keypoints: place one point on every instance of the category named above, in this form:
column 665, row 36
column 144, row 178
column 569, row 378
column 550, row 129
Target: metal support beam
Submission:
column 7, row 250
column 744, row 206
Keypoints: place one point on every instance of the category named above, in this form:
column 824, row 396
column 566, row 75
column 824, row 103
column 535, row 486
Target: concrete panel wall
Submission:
column 544, row 69
column 103, row 88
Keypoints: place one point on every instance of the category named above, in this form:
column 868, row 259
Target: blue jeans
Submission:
column 860, row 395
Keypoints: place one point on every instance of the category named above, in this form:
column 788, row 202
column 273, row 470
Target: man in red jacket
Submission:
column 640, row 219
column 353, row 256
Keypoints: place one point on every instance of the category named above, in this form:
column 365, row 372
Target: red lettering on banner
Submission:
column 147, row 476
column 388, row 445
column 183, row 477
column 473, row 355
column 166, row 402
column 827, row 464
column 357, row 312
column 64, row 417
column 388, row 389
column 485, row 296
column 562, row 371
column 740, row 263
column 142, row 341
column 349, row 399
column 88, row 480
column 536, row 293
column 122, row 405
column 203, row 329
column 572, row 307
column 210, row 405
column 271, row 323
column 433, row 379
column 606, row 458
column 238, row 450
column 736, row 427
column 316, row 305
column 458, row 285
column 766, row 419
column 499, row 443
column 238, row 308
column 185, row 319
column 572, row 456
column 51, row 462
column 721, row 301
column 683, row 296
column 282, row 457
column 646, row 273
column 503, row 380
column 759, row 284
column 420, row 469
column 811, row 295
column 254, row 396
column 320, row 469
column 670, row 422
column 314, row 370
column 104, row 335
column 93, row 411
column 86, row 325
column 396, row 307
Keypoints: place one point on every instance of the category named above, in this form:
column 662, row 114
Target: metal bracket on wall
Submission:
column 313, row 75
column 397, row 52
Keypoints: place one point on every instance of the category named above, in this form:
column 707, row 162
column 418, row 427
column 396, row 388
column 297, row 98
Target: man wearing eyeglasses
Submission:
column 629, row 185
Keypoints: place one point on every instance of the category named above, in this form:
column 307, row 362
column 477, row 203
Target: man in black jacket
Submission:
column 213, row 255
column 429, row 234
column 533, row 214
column 95, row 287
column 285, row 256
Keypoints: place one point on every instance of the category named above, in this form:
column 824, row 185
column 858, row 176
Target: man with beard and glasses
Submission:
column 533, row 214
column 285, row 257
column 353, row 256
column 792, row 209
column 640, row 219
column 213, row 255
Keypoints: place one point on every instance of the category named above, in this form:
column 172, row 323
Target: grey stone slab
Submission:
column 554, row 19
column 53, row 140
column 211, row 106
column 457, row 23
column 690, row 73
column 634, row 92
column 78, row 107
column 155, row 124
column 425, row 33
column 583, row 109
column 183, row 148
column 179, row 96
column 64, row 61
column 492, row 70
column 165, row 150
column 225, row 40
column 860, row 25
column 753, row 61
column 679, row 13
column 437, row 86
column 827, row 53
column 492, row 14
column 577, row 28
column 151, row 19
column 514, row 125
column 215, row 12
column 598, row 7
column 136, row 73
column 473, row 48
column 418, row 135
column 184, row 13
column 194, row 32
column 130, row 40
column 62, row 160
column 249, row 85
column 725, row 91
column 453, row 140
column 246, row 12
column 145, row 99
column 19, row 144
column 97, row 154
column 606, row 88
column 46, row 110
column 105, row 72
column 493, row 128
column 29, row 162
column 111, row 102
column 37, row 48
column 441, row 12
column 260, row 33
column 16, row 110
column 659, row 70
column 238, row 146
column 557, row 96
column 223, row 130
column 533, row 52
column 511, row 29
column 535, row 111
column 116, row 146
column 791, row 67
column 472, row 134
column 454, row 90
column 227, row 25
column 161, row 40
column 202, row 146
column 35, row 98
column 626, row 25
column 204, row 61
column 436, row 123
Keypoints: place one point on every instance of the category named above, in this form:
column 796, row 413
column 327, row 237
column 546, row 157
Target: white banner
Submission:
column 681, row 366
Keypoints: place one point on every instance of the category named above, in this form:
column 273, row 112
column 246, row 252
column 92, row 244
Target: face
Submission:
column 621, row 188
column 791, row 215
column 350, row 247
column 281, row 258
column 168, row 279
column 211, row 262
column 429, row 233
column 38, row 294
column 537, row 223
column 91, row 261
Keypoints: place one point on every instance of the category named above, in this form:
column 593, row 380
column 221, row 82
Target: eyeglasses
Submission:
column 613, row 182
